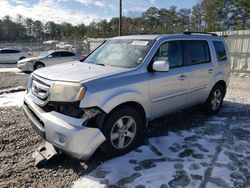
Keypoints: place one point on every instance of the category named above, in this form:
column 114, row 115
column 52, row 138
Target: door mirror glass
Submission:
column 161, row 66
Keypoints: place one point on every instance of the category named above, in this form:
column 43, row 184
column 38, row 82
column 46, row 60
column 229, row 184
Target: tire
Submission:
column 124, row 138
column 38, row 65
column 214, row 100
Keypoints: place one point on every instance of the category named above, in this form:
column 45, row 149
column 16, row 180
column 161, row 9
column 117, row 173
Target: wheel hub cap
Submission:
column 123, row 132
column 216, row 100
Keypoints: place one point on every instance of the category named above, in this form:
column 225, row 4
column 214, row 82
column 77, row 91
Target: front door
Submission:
column 168, row 90
column 68, row 57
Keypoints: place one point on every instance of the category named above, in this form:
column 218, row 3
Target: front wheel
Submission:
column 38, row 65
column 215, row 99
column 122, row 129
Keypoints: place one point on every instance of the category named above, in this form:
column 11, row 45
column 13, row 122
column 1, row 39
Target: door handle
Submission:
column 210, row 70
column 182, row 77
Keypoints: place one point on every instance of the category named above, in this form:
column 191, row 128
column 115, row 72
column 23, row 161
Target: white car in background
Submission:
column 47, row 58
column 64, row 45
column 11, row 55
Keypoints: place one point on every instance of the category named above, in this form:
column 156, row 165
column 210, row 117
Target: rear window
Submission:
column 220, row 50
column 196, row 52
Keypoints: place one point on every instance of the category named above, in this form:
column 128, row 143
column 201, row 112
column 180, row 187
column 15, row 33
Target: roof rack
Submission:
column 203, row 33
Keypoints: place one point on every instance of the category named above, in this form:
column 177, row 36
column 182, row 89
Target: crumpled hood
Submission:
column 76, row 71
column 29, row 59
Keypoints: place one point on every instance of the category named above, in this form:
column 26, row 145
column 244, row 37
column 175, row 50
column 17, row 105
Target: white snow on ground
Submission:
column 181, row 159
column 216, row 154
column 14, row 70
column 12, row 99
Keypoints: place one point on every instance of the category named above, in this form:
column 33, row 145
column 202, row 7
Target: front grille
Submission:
column 40, row 89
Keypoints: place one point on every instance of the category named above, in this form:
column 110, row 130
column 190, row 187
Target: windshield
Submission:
column 120, row 53
column 44, row 54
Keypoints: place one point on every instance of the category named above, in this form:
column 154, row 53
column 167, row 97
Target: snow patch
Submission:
column 181, row 159
column 12, row 99
column 12, row 90
column 14, row 70
column 89, row 182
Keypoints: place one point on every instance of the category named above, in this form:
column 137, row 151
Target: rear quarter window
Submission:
column 220, row 50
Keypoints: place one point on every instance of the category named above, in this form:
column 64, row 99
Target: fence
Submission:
column 239, row 46
column 238, row 43
column 78, row 46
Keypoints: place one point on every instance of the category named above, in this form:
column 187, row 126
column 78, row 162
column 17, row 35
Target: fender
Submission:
column 113, row 101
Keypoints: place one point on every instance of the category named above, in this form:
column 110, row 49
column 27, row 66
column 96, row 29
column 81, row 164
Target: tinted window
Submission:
column 9, row 51
column 196, row 52
column 55, row 54
column 66, row 54
column 171, row 52
column 220, row 50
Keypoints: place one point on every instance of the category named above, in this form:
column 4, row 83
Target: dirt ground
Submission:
column 19, row 141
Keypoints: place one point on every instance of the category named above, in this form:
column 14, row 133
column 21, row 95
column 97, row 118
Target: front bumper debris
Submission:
column 43, row 154
column 68, row 134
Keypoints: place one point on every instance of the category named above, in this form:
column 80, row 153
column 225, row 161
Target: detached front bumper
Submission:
column 64, row 132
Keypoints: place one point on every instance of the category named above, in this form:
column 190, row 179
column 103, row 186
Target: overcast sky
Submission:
column 82, row 11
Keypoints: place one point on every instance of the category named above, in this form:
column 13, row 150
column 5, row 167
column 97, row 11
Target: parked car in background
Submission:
column 108, row 100
column 64, row 45
column 47, row 58
column 12, row 55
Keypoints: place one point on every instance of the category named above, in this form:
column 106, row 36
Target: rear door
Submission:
column 197, row 60
column 67, row 57
column 53, row 58
column 168, row 90
column 14, row 55
column 9, row 56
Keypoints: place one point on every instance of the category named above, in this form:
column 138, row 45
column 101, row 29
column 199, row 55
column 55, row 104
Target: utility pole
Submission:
column 120, row 19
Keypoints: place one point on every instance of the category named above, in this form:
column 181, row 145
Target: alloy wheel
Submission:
column 123, row 132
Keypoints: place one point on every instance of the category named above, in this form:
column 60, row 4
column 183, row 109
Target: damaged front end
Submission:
column 67, row 127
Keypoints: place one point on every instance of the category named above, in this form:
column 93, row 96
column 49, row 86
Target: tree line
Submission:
column 205, row 16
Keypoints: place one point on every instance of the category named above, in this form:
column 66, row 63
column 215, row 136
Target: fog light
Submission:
column 62, row 138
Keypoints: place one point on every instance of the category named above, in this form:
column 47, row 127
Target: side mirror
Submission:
column 161, row 66
column 50, row 56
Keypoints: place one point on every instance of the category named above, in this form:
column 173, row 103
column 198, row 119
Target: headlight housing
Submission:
column 66, row 92
column 30, row 82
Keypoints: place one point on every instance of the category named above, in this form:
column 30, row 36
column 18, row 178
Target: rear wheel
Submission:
column 122, row 130
column 215, row 100
column 38, row 65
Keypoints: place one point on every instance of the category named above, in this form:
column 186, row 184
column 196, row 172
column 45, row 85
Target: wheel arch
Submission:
column 223, row 84
column 138, row 107
column 38, row 62
column 22, row 57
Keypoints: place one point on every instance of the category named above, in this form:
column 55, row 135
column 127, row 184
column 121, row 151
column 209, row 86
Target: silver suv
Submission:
column 108, row 100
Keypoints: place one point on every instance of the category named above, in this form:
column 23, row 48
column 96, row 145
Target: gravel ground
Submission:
column 19, row 141
column 12, row 80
